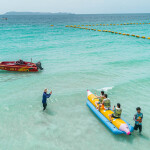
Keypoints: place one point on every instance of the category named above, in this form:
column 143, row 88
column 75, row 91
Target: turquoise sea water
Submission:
column 74, row 60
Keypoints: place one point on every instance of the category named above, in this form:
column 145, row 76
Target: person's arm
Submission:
column 48, row 95
column 135, row 119
column 141, row 118
column 96, row 95
column 114, row 108
column 95, row 98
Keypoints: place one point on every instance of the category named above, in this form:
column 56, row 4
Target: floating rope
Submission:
column 127, row 34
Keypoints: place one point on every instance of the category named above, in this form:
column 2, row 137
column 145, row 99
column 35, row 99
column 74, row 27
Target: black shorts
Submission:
column 44, row 106
column 114, row 116
column 136, row 127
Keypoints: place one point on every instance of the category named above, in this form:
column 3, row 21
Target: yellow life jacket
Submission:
column 118, row 112
column 106, row 102
column 101, row 99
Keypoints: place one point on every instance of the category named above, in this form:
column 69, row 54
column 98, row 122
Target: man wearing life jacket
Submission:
column 101, row 97
column 117, row 112
column 106, row 102
column 138, row 119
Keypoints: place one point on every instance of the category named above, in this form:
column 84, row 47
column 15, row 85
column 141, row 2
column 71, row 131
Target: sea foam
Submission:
column 105, row 89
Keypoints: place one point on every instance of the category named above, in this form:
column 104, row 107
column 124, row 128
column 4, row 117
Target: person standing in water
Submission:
column 138, row 119
column 44, row 99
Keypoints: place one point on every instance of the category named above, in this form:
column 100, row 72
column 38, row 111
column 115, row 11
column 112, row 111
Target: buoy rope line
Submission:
column 113, row 32
column 109, row 24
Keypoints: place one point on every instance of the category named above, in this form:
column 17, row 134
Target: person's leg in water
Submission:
column 135, row 127
column 140, row 128
column 44, row 106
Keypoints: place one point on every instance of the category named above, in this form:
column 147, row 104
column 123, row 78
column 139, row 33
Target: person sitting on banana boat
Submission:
column 101, row 97
column 106, row 103
column 117, row 112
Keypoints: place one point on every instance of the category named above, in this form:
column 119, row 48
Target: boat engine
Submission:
column 38, row 64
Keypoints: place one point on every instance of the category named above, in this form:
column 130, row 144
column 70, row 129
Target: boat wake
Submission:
column 105, row 89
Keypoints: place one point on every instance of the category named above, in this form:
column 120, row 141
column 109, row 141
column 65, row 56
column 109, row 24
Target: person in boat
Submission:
column 138, row 120
column 44, row 99
column 117, row 112
column 101, row 97
column 19, row 62
column 106, row 102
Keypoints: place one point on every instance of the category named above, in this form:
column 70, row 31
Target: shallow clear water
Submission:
column 74, row 60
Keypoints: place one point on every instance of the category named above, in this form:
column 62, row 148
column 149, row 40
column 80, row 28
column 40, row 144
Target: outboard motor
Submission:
column 38, row 64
